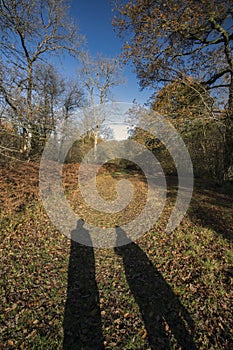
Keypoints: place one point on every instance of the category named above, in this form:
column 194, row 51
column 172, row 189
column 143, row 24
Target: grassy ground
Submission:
column 161, row 292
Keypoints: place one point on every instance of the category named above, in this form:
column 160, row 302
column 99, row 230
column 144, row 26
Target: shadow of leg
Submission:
column 82, row 319
column 163, row 314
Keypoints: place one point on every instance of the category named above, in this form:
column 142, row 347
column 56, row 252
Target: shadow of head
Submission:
column 81, row 235
column 122, row 241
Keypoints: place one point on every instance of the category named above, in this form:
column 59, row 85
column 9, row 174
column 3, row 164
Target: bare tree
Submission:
column 31, row 31
column 73, row 97
column 99, row 75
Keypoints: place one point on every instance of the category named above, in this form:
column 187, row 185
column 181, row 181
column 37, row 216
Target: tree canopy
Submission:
column 174, row 40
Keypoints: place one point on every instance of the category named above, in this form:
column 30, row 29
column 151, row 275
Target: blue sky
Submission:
column 94, row 18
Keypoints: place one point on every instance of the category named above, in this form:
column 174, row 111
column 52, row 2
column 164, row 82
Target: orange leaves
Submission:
column 127, row 46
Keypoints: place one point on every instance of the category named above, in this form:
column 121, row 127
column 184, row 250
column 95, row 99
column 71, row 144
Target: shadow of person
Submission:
column 164, row 317
column 82, row 318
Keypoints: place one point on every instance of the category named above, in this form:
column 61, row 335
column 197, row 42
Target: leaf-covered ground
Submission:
column 161, row 292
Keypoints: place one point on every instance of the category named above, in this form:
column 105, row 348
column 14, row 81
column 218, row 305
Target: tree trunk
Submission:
column 28, row 129
column 228, row 152
column 96, row 133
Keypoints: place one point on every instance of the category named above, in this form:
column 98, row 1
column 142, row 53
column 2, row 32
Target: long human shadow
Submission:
column 163, row 314
column 82, row 318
